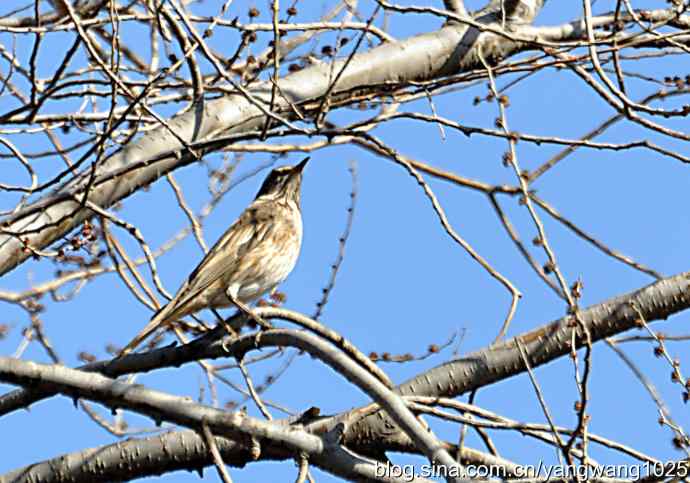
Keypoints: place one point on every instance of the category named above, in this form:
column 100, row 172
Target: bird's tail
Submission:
column 158, row 319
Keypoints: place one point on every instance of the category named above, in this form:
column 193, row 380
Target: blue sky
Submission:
column 404, row 284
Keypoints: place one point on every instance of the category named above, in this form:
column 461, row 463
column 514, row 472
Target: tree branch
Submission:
column 180, row 450
column 456, row 6
column 428, row 56
column 656, row 301
column 161, row 406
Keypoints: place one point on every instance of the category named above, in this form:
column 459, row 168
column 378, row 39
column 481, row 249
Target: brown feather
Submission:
column 255, row 254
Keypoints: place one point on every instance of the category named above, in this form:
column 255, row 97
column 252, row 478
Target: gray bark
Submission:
column 656, row 301
column 449, row 50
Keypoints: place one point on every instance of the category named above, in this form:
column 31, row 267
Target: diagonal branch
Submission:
column 456, row 6
column 428, row 56
column 656, row 301
column 182, row 410
column 549, row 342
column 542, row 345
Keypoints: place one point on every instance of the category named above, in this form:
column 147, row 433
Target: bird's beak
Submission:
column 302, row 164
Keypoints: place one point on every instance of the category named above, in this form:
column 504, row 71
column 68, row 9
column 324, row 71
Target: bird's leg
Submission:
column 247, row 310
column 222, row 321
column 201, row 322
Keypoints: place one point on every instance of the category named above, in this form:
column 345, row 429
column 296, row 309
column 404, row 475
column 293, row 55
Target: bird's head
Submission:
column 283, row 182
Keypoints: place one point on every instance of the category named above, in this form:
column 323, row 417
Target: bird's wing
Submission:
column 250, row 229
column 245, row 234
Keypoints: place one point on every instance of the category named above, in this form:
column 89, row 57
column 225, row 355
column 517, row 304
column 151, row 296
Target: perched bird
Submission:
column 253, row 256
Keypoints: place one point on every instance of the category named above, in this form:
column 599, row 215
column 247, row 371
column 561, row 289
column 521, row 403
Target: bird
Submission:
column 254, row 255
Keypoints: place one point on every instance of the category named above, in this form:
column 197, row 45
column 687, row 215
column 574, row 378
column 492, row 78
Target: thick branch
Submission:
column 544, row 344
column 656, row 301
column 178, row 450
column 449, row 50
column 161, row 406
column 185, row 450
column 210, row 346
